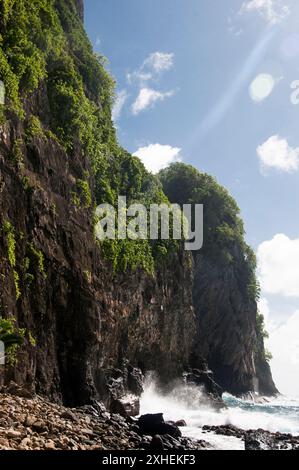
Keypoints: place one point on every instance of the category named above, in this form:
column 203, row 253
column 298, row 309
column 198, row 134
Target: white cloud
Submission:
column 155, row 157
column 273, row 11
column 148, row 97
column 262, row 87
column 284, row 346
column 283, row 343
column 98, row 41
column 278, row 266
column 119, row 103
column 152, row 67
column 159, row 62
column 264, row 309
column 277, row 153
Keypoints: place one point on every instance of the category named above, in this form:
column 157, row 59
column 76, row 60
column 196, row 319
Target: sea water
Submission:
column 189, row 403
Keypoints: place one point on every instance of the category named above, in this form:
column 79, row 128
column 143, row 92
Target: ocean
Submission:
column 190, row 404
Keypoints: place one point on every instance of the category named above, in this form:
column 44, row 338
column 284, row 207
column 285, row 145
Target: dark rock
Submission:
column 68, row 414
column 204, row 378
column 135, row 380
column 157, row 444
column 154, row 424
column 126, row 407
column 257, row 439
column 18, row 390
column 264, row 440
column 225, row 430
column 226, row 325
column 181, row 423
column 88, row 322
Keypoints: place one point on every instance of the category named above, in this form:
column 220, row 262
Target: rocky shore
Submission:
column 257, row 439
column 33, row 423
column 30, row 422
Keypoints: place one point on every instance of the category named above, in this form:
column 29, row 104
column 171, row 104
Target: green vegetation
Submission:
column 262, row 334
column 82, row 196
column 87, row 276
column 31, row 339
column 27, row 184
column 11, row 254
column 34, row 128
column 11, row 243
column 17, row 153
column 223, row 227
column 35, row 261
column 12, row 338
column 44, row 42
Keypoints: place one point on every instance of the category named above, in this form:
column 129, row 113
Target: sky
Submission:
column 216, row 84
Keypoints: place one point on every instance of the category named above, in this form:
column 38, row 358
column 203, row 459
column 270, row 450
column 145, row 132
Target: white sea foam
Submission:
column 189, row 403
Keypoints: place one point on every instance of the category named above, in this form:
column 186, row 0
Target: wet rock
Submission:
column 154, row 424
column 257, row 439
column 264, row 440
column 181, row 423
column 135, row 380
column 205, row 379
column 225, row 430
column 126, row 407
column 156, row 444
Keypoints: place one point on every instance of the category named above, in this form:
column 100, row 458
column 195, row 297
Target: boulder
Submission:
column 205, row 379
column 154, row 424
column 126, row 406
column 181, row 423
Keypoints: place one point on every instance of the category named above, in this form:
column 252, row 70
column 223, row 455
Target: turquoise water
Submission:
column 277, row 414
column 190, row 403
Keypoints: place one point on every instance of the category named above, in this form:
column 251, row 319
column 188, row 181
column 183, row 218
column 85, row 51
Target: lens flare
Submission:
column 261, row 87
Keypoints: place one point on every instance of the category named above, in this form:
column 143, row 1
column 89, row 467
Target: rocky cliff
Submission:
column 226, row 329
column 84, row 319
column 225, row 290
column 80, row 8
column 85, row 322
column 93, row 316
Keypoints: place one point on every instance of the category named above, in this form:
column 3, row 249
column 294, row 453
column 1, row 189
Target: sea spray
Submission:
column 189, row 403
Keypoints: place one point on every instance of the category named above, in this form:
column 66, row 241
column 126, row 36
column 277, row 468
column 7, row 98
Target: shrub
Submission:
column 12, row 338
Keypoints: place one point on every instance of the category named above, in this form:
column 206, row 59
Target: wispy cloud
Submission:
column 147, row 97
column 119, row 103
column 278, row 154
column 155, row 157
column 152, row 67
column 273, row 11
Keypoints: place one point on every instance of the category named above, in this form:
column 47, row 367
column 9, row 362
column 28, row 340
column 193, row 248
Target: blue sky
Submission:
column 184, row 71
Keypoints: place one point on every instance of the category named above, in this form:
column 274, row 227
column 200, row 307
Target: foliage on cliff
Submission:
column 223, row 227
column 43, row 45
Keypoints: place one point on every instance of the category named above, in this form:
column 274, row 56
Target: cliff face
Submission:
column 80, row 8
column 226, row 329
column 225, row 289
column 85, row 321
column 94, row 315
